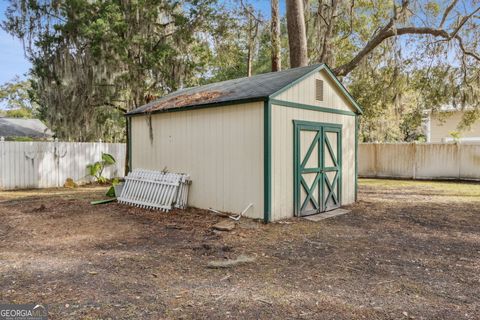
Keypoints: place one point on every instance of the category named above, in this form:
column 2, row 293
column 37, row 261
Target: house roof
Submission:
column 254, row 88
column 18, row 127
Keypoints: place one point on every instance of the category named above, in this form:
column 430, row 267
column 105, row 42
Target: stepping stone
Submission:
column 229, row 263
column 325, row 215
column 225, row 225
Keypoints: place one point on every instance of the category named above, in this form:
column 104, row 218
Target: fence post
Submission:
column 2, row 163
column 414, row 162
column 459, row 158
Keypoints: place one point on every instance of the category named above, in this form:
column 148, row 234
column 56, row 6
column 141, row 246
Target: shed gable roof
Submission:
column 254, row 88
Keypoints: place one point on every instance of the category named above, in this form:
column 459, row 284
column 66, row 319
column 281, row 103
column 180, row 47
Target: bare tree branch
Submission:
column 465, row 51
column 462, row 22
column 447, row 12
column 252, row 32
column 352, row 6
column 389, row 31
column 250, row 11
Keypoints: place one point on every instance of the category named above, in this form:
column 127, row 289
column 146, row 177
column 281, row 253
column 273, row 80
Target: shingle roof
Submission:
column 17, row 127
column 248, row 88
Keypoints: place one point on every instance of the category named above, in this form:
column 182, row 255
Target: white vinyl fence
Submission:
column 48, row 164
column 419, row 160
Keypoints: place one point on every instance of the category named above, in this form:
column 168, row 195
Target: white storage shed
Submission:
column 285, row 141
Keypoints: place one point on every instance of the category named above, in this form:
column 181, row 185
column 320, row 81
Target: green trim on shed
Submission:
column 291, row 84
column 343, row 89
column 129, row 144
column 332, row 76
column 299, row 166
column 267, row 160
column 311, row 107
column 356, row 157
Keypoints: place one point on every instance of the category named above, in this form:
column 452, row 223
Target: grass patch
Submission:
column 461, row 188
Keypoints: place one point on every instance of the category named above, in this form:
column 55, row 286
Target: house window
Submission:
column 319, row 89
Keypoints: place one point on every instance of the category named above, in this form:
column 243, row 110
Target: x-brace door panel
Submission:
column 332, row 172
column 317, row 167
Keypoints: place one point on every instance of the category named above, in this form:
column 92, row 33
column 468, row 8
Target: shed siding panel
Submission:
column 304, row 92
column 282, row 156
column 221, row 148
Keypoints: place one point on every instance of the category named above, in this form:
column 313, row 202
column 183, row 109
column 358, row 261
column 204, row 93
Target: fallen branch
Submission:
column 236, row 218
column 241, row 214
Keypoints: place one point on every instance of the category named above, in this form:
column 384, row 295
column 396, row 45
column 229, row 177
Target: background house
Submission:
column 14, row 128
column 440, row 125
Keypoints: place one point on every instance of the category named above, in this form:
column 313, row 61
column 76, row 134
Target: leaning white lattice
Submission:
column 155, row 190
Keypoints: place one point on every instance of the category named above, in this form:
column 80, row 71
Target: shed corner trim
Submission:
column 267, row 160
column 356, row 157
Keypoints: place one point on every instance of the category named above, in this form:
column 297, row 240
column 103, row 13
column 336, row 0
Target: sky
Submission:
column 12, row 58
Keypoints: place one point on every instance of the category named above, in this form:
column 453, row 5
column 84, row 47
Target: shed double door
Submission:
column 317, row 167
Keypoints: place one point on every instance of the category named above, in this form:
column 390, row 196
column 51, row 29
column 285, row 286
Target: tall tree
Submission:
column 297, row 37
column 275, row 37
column 92, row 59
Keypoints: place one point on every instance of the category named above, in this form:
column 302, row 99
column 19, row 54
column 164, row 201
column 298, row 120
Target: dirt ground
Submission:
column 407, row 250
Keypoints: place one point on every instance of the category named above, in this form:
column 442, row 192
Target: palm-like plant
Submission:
column 96, row 169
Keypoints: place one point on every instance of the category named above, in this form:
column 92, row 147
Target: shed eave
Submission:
column 197, row 106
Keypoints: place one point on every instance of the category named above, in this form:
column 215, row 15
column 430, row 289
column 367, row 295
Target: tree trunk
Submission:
column 250, row 47
column 275, row 30
column 297, row 37
column 249, row 62
column 325, row 22
column 253, row 25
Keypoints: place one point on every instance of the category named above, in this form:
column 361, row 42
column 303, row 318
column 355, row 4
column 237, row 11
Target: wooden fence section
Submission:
column 48, row 164
column 419, row 160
